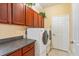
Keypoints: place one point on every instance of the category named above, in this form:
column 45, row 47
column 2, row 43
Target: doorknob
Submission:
column 74, row 42
column 71, row 42
column 53, row 34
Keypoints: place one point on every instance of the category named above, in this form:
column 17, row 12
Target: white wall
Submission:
column 7, row 30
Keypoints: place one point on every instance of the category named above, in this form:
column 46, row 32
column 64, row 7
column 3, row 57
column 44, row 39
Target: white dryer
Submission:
column 41, row 37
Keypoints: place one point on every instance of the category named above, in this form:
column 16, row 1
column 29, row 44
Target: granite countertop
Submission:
column 13, row 45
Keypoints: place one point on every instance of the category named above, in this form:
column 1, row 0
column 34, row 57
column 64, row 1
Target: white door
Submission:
column 60, row 27
column 75, row 19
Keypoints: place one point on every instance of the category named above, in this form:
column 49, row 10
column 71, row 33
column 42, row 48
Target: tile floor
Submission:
column 56, row 52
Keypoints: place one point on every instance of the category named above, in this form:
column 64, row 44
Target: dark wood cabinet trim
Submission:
column 7, row 14
column 12, row 13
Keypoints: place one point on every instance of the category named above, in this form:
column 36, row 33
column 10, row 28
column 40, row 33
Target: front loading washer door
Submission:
column 45, row 37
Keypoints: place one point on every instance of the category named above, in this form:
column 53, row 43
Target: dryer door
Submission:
column 45, row 37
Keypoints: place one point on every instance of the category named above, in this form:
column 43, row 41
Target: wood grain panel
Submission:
column 3, row 13
column 18, row 13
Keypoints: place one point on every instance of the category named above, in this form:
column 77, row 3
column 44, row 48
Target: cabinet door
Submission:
column 29, row 50
column 3, row 13
column 18, row 13
column 40, row 21
column 29, row 17
column 29, row 53
column 36, row 20
column 28, row 47
column 42, row 25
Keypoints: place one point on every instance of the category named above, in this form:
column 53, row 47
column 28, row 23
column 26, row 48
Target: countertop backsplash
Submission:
column 7, row 30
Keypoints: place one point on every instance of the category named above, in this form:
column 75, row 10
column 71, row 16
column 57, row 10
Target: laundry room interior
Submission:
column 39, row 29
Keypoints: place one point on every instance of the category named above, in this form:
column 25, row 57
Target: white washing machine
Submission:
column 41, row 37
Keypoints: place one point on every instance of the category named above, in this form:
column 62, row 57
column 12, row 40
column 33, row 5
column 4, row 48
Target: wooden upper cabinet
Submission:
column 29, row 17
column 3, row 13
column 41, row 22
column 18, row 13
column 36, row 19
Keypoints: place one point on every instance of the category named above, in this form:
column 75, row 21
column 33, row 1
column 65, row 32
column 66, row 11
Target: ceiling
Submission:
column 45, row 5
